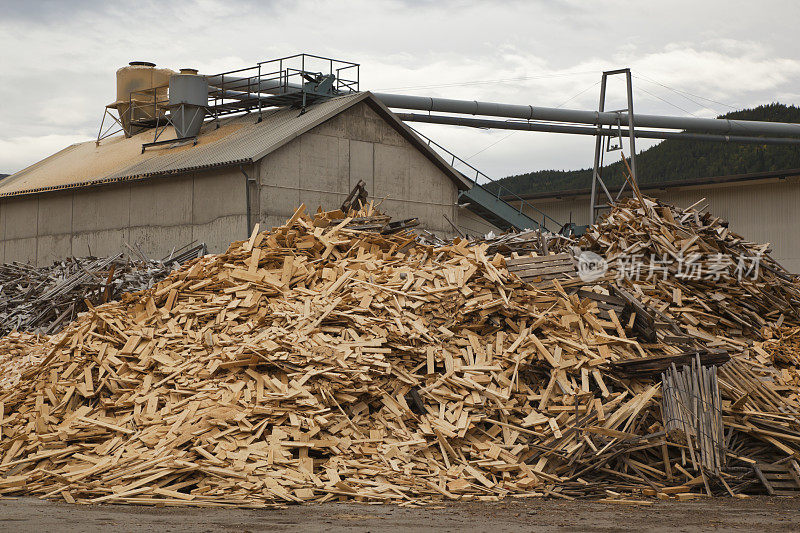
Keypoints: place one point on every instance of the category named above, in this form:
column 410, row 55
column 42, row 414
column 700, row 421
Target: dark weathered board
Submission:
column 544, row 267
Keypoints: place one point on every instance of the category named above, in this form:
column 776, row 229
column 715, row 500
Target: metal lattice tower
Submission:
column 609, row 136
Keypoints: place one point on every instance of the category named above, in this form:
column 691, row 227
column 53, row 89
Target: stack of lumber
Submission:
column 43, row 299
column 543, row 267
column 692, row 409
column 320, row 362
column 779, row 479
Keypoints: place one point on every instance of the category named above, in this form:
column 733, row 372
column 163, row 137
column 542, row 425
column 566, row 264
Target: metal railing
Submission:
column 499, row 187
column 291, row 80
column 147, row 109
column 312, row 63
column 283, row 79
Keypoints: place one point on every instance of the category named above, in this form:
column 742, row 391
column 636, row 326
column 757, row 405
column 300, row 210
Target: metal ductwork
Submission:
column 188, row 97
column 238, row 88
column 595, row 118
column 241, row 87
column 588, row 130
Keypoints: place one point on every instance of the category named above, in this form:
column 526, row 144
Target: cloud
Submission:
column 48, row 10
column 60, row 58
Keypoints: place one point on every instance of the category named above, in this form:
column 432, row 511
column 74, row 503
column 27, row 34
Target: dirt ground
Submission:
column 721, row 514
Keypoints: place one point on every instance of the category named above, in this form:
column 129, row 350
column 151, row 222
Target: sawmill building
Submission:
column 93, row 198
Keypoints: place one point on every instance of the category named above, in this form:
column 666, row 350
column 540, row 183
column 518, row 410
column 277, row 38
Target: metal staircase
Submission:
column 497, row 211
column 489, row 204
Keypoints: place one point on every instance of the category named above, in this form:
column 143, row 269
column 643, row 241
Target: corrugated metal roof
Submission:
column 249, row 143
column 237, row 140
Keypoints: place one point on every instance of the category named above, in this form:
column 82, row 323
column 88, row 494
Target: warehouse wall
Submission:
column 761, row 211
column 472, row 225
column 321, row 167
column 157, row 214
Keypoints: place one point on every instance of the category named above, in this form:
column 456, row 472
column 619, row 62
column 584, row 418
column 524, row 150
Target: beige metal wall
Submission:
column 761, row 211
column 472, row 225
column 321, row 167
column 157, row 215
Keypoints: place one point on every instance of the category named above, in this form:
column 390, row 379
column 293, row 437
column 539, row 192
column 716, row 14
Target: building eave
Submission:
column 122, row 179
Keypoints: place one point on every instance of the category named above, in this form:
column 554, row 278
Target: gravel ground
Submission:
column 720, row 514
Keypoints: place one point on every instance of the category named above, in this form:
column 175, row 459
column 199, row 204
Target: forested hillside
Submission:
column 673, row 160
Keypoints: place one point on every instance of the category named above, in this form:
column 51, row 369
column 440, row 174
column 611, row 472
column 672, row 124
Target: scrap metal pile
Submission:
column 320, row 362
column 43, row 299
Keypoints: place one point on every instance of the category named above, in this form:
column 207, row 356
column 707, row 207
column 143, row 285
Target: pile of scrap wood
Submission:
column 320, row 362
column 20, row 352
column 43, row 299
column 526, row 242
column 709, row 281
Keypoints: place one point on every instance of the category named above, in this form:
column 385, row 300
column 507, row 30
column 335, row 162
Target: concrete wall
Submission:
column 761, row 211
column 321, row 167
column 158, row 215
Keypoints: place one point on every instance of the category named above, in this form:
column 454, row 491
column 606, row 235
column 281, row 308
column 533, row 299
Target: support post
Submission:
column 249, row 213
column 631, row 136
column 598, row 143
column 597, row 169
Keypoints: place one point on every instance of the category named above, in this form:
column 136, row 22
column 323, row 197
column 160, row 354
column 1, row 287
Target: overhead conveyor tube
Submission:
column 236, row 87
column 241, row 85
column 588, row 130
column 528, row 112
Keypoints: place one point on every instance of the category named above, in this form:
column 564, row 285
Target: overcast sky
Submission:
column 689, row 57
